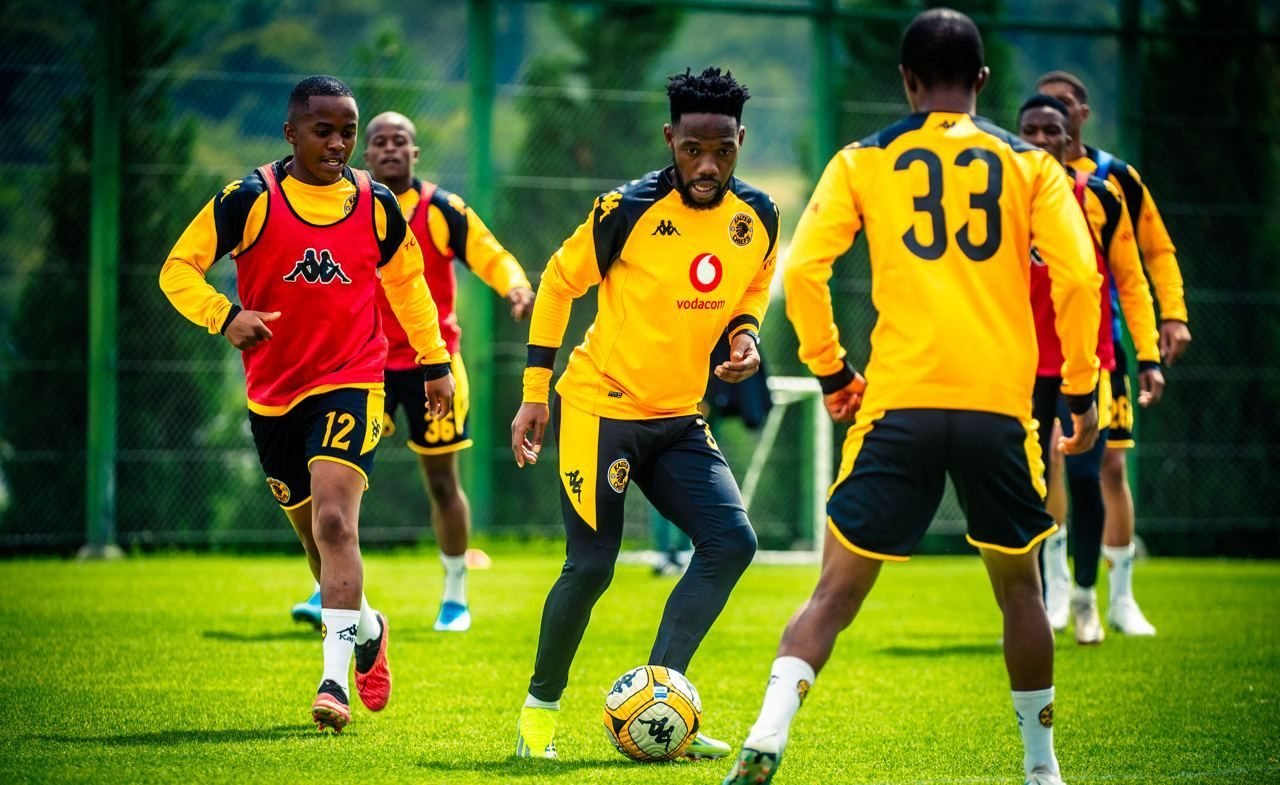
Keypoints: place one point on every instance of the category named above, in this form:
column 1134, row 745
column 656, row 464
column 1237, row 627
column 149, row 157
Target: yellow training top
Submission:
column 672, row 279
column 1158, row 252
column 951, row 205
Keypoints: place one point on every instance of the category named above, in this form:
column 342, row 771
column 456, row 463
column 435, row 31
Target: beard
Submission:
column 686, row 195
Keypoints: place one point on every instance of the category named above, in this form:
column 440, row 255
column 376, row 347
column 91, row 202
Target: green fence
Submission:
column 118, row 417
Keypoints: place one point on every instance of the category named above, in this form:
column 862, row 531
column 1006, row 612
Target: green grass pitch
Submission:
column 187, row 669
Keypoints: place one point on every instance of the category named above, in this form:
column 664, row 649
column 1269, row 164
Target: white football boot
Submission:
column 1126, row 617
column 1084, row 607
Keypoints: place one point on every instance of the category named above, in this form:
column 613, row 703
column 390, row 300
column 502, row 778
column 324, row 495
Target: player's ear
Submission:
column 290, row 133
column 1084, row 112
column 984, row 74
column 909, row 84
column 669, row 134
column 742, row 134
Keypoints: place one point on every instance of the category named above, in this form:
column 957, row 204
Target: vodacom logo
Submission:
column 705, row 272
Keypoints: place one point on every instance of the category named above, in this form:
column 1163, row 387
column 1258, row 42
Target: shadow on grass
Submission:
column 300, row 634
column 513, row 768
column 174, row 738
column 951, row 650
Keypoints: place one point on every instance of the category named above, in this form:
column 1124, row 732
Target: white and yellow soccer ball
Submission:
column 652, row 713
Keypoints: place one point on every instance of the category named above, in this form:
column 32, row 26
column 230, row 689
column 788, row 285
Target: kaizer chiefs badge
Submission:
column 741, row 228
column 349, row 205
column 619, row 474
column 1046, row 716
column 802, row 689
column 279, row 490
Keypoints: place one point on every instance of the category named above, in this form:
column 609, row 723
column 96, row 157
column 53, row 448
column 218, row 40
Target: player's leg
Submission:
column 1117, row 539
column 891, row 480
column 308, row 610
column 995, row 464
column 691, row 485
column 343, row 428
column 1083, row 473
column 1055, row 573
column 437, row 443
column 593, row 517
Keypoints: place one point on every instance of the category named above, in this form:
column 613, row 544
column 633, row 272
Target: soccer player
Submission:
column 1161, row 262
column 1042, row 121
column 311, row 237
column 681, row 255
column 951, row 205
column 447, row 230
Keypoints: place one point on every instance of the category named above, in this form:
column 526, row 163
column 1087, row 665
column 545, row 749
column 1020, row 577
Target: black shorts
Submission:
column 450, row 433
column 341, row 425
column 1121, row 434
column 894, row 472
column 674, row 460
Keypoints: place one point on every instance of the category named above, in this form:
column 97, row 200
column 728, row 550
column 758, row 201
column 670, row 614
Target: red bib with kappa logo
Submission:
column 322, row 280
column 437, row 268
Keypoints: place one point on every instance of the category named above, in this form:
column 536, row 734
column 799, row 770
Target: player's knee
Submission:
column 592, row 571
column 444, row 488
column 1113, row 469
column 333, row 528
column 737, row 547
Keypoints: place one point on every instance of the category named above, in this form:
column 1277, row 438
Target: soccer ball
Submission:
column 652, row 713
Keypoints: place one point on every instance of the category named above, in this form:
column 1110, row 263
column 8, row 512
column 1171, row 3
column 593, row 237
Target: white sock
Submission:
column 1080, row 594
column 1055, row 557
column 369, row 627
column 1035, row 721
column 455, row 578
column 534, row 703
column 340, row 627
column 1120, row 561
column 789, row 682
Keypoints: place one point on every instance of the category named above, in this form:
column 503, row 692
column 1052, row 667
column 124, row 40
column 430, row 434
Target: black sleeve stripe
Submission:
column 456, row 220
column 542, row 356
column 616, row 213
column 1013, row 140
column 744, row 320
column 397, row 227
column 1111, row 208
column 231, row 208
column 1130, row 187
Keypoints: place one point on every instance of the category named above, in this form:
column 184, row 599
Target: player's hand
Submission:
column 744, row 360
column 1175, row 337
column 1086, row 432
column 249, row 328
column 440, row 396
column 527, row 430
column 843, row 404
column 1150, row 386
column 521, row 299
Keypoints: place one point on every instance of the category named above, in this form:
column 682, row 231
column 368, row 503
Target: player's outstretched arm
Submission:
column 475, row 246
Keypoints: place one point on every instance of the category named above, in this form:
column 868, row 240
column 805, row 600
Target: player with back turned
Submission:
column 951, row 205
column 311, row 238
column 680, row 255
column 1159, row 257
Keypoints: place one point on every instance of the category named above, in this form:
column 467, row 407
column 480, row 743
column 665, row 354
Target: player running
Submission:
column 1042, row 121
column 447, row 230
column 951, row 205
column 311, row 237
column 1161, row 262
column 681, row 255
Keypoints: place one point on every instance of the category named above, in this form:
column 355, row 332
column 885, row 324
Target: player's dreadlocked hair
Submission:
column 1040, row 99
column 710, row 92
column 317, row 86
column 943, row 48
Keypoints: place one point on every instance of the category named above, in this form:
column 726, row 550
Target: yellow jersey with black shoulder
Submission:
column 1159, row 255
column 672, row 279
column 951, row 205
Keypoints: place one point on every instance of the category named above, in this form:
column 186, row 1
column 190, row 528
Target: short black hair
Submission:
column 1040, row 99
column 1066, row 78
column 943, row 47
column 711, row 92
column 316, row 86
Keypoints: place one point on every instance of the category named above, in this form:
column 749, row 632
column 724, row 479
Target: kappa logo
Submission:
column 741, row 229
column 660, row 730
column 1046, row 716
column 619, row 474
column 229, row 189
column 347, row 634
column 575, row 483
column 665, row 228
column 705, row 272
column 375, row 429
column 947, row 124
column 279, row 490
column 608, row 203
column 313, row 269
